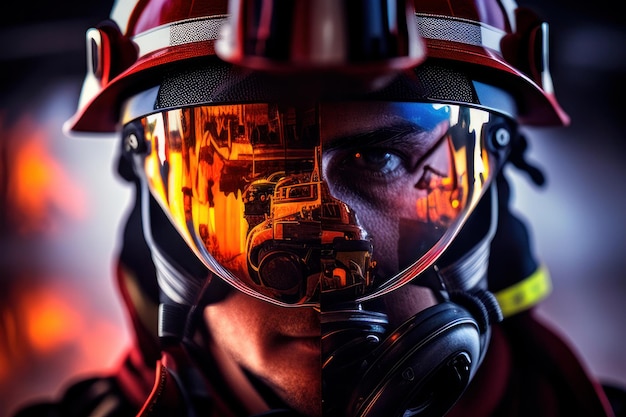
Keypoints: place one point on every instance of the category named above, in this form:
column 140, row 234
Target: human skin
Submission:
column 281, row 345
column 372, row 160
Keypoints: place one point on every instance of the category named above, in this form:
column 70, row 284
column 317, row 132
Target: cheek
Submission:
column 383, row 229
column 395, row 196
column 406, row 302
column 235, row 324
column 253, row 332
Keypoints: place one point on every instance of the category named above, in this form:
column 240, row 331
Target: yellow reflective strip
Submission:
column 525, row 293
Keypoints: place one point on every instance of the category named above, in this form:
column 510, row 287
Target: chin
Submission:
column 300, row 390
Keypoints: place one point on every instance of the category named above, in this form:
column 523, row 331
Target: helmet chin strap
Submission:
column 465, row 278
column 177, row 288
column 180, row 276
column 422, row 367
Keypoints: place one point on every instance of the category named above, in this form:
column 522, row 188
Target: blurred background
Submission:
column 61, row 201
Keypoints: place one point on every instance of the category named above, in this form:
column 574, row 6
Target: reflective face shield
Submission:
column 340, row 201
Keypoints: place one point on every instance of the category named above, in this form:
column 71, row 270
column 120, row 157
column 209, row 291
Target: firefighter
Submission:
column 321, row 224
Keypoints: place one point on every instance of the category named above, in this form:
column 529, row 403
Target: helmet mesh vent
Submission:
column 195, row 31
column 449, row 30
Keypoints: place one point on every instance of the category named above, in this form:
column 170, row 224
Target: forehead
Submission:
column 339, row 119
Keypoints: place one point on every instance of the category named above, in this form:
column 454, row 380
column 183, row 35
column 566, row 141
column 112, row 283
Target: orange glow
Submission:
column 51, row 322
column 50, row 331
column 38, row 185
column 45, row 321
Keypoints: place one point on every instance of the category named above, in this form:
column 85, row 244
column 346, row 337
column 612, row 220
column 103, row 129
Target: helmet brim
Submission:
column 536, row 106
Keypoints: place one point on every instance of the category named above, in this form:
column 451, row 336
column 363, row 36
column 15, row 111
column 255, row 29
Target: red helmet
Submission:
column 493, row 41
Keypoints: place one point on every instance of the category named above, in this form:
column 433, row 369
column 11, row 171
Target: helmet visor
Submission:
column 337, row 201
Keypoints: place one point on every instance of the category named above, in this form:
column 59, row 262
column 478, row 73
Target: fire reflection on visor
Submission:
column 341, row 201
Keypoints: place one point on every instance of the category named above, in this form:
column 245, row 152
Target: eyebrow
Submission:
column 395, row 134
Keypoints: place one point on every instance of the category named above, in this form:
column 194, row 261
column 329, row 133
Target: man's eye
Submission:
column 375, row 162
